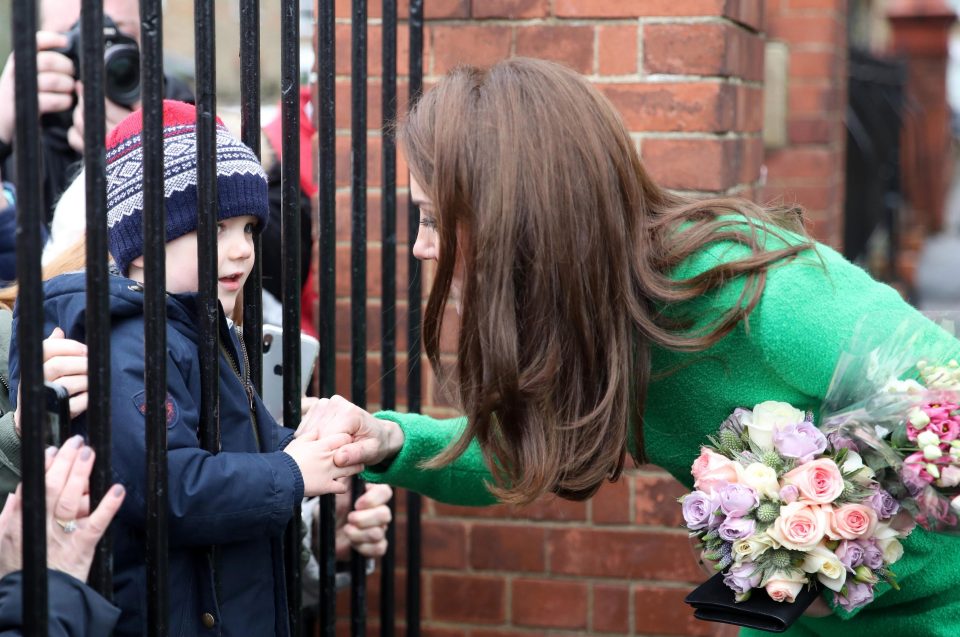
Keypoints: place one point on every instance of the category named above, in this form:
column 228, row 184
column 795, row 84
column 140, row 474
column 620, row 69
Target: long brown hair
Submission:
column 566, row 246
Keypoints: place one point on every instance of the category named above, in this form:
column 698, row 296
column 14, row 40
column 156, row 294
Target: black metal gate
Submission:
column 31, row 216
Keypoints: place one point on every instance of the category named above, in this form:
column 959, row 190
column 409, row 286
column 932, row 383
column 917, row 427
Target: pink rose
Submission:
column 851, row 522
column 800, row 526
column 819, row 481
column 946, row 429
column 711, row 470
column 783, row 590
column 949, row 476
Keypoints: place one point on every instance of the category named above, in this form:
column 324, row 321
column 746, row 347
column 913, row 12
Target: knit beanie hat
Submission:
column 241, row 182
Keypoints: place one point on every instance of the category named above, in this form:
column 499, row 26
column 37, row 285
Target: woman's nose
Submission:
column 425, row 247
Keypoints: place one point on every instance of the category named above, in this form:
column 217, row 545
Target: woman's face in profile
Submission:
column 427, row 245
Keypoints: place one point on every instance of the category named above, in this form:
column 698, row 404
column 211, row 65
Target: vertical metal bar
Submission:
column 155, row 311
column 388, row 295
column 30, row 214
column 358, row 273
column 207, row 209
column 326, row 222
column 250, row 135
column 290, row 256
column 413, row 335
column 98, row 315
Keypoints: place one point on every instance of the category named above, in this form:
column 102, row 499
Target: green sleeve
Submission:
column 9, row 455
column 463, row 482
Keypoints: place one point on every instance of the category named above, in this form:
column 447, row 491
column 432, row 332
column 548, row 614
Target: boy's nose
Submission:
column 240, row 248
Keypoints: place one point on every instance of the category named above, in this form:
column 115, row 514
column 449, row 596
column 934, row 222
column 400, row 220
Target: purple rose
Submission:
column 736, row 500
column 839, row 442
column 698, row 509
column 734, row 529
column 799, row 440
column 872, row 555
column 789, row 493
column 850, row 554
column 858, row 594
column 883, row 503
column 741, row 579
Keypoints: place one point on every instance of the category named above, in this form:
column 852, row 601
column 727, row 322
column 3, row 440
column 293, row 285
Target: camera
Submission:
column 121, row 61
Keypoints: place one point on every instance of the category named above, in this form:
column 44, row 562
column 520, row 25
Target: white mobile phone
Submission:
column 273, row 367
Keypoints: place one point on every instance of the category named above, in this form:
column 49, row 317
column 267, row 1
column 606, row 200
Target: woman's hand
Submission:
column 72, row 535
column 373, row 442
column 365, row 528
column 64, row 363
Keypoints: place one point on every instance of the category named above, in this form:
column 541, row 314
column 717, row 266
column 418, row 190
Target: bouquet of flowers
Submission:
column 780, row 506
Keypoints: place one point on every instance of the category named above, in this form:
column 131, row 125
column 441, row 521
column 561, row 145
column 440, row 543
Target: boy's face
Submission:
column 234, row 261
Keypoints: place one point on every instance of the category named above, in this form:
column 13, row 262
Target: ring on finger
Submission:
column 68, row 526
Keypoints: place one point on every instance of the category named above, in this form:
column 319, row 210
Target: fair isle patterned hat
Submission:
column 241, row 182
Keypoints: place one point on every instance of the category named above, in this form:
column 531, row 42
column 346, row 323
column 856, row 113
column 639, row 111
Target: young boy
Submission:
column 241, row 498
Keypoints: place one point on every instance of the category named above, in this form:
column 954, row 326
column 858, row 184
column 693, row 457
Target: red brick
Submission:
column 805, row 30
column 750, row 13
column 432, row 10
column 656, row 500
column 373, row 270
column 549, row 604
column 344, row 58
column 511, row 9
column 571, row 46
column 611, row 609
column 753, row 152
column 625, row 8
column 373, row 320
column 702, row 49
column 622, row 554
column 468, row 44
column 805, row 98
column 809, row 131
column 546, row 508
column 611, row 504
column 694, row 164
column 802, row 164
column 344, row 159
column 374, row 214
column 749, row 109
column 467, row 598
column 820, row 197
column 674, row 107
column 617, row 49
column 662, row 611
column 837, row 6
column 508, row 548
column 444, row 544
column 812, row 64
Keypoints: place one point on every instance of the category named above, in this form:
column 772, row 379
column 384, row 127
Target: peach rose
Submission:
column 819, row 481
column 852, row 521
column 800, row 526
column 784, row 587
column 711, row 470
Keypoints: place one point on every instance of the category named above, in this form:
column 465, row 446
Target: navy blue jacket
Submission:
column 239, row 499
column 75, row 609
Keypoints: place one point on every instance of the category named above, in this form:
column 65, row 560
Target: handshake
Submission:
column 336, row 440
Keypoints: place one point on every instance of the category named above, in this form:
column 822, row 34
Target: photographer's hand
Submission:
column 55, row 82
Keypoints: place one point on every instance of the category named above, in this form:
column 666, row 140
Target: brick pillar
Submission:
column 809, row 169
column 920, row 30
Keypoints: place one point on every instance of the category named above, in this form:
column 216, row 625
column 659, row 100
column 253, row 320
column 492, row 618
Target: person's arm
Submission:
column 76, row 610
column 9, row 455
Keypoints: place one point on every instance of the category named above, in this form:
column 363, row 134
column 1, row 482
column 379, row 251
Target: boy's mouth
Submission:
column 232, row 281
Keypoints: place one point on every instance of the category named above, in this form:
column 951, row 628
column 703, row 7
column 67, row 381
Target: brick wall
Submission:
column 809, row 170
column 687, row 78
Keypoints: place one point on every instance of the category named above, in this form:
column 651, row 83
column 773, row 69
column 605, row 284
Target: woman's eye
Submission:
column 427, row 222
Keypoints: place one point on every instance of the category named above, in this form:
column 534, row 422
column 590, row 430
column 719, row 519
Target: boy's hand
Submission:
column 315, row 460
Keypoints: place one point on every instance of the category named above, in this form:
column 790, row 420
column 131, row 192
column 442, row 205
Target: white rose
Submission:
column 770, row 416
column 918, row 418
column 908, row 386
column 892, row 549
column 932, row 452
column 829, row 569
column 763, row 479
column 748, row 549
column 949, row 477
column 858, row 472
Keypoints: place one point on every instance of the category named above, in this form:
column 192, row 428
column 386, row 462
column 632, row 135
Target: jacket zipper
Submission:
column 245, row 381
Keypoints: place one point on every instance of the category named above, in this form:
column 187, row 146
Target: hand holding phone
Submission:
column 273, row 367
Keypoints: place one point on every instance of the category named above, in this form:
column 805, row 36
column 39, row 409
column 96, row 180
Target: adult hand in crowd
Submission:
column 373, row 440
column 113, row 112
column 72, row 536
column 64, row 363
column 55, row 82
column 365, row 528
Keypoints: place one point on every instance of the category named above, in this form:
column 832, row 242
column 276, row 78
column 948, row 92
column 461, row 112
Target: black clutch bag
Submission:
column 714, row 602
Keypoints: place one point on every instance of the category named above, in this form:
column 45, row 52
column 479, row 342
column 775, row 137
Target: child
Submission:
column 241, row 498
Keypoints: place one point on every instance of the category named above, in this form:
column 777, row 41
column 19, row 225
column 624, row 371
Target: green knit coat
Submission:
column 811, row 307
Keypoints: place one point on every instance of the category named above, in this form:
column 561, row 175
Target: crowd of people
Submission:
column 600, row 317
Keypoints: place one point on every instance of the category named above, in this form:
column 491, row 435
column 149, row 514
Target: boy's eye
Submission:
column 250, row 228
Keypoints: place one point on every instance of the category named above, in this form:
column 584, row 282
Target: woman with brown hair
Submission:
column 600, row 315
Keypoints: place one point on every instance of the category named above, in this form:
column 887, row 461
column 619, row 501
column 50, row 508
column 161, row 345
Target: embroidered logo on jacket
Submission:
column 140, row 400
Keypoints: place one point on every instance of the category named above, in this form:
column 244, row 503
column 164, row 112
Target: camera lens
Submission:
column 122, row 68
